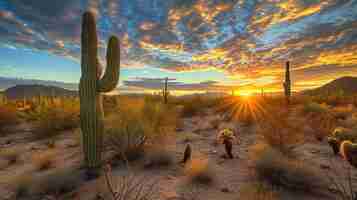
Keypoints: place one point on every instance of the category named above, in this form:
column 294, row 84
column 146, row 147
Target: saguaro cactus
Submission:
column 90, row 88
column 287, row 83
column 165, row 92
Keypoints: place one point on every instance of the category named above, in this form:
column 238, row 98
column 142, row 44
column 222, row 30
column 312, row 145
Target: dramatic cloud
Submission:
column 249, row 40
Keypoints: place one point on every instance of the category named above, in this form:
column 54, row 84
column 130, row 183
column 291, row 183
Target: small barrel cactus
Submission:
column 225, row 134
column 187, row 154
column 91, row 86
column 226, row 137
column 339, row 135
column 348, row 150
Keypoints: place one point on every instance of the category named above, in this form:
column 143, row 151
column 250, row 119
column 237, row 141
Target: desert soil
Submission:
column 231, row 174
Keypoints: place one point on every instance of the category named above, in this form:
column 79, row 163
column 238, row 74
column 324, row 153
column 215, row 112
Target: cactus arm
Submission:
column 111, row 76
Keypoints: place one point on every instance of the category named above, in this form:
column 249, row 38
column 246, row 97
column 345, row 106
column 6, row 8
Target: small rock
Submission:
column 220, row 162
column 324, row 166
column 315, row 151
column 225, row 190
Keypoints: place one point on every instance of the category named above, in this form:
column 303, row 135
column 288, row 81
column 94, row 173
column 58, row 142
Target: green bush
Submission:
column 51, row 121
column 315, row 108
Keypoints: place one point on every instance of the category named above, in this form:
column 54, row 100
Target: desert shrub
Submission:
column 188, row 137
column 160, row 119
column 258, row 191
column 22, row 185
column 322, row 125
column 315, row 108
column 128, row 139
column 192, row 106
column 8, row 117
column 135, row 125
column 320, row 119
column 282, row 132
column 43, row 161
column 57, row 182
column 274, row 167
column 51, row 121
column 342, row 112
column 159, row 157
column 349, row 122
column 128, row 187
column 199, row 171
column 11, row 155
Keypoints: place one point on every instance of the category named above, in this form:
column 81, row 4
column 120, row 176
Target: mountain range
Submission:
column 346, row 85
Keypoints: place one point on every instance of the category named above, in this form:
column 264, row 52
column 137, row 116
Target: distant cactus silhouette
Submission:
column 187, row 153
column 165, row 92
column 287, row 83
column 90, row 88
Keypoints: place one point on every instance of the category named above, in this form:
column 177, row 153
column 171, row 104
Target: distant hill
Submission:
column 347, row 85
column 29, row 91
column 6, row 83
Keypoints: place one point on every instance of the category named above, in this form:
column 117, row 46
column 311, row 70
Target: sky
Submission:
column 201, row 45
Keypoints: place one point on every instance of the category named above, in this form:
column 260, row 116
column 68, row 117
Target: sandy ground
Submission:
column 231, row 174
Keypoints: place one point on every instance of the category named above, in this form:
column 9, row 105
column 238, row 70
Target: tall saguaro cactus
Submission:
column 287, row 83
column 165, row 92
column 91, row 86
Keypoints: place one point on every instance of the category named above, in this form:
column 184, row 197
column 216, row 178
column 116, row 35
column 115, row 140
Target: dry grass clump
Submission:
column 274, row 167
column 196, row 104
column 258, row 191
column 54, row 183
column 22, row 185
column 187, row 137
column 50, row 121
column 342, row 112
column 136, row 125
column 199, row 171
column 8, row 117
column 128, row 140
column 159, row 119
column 159, row 157
column 11, row 155
column 315, row 108
column 44, row 160
column 281, row 131
column 58, row 181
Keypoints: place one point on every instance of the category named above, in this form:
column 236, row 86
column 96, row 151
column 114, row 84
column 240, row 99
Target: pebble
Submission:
column 324, row 166
column 225, row 190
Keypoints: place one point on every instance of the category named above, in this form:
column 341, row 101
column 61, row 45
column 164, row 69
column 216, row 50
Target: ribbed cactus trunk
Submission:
column 165, row 92
column 90, row 88
column 287, row 83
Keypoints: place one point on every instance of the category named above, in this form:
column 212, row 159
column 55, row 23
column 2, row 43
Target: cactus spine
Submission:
column 91, row 86
column 287, row 83
column 165, row 92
